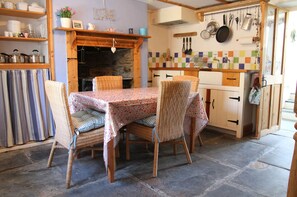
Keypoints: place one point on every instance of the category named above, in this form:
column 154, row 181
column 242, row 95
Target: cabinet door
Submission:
column 156, row 78
column 168, row 74
column 224, row 109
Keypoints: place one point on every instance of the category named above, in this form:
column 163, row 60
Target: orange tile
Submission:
column 183, row 55
column 191, row 65
column 248, row 60
column 157, row 65
column 220, row 53
column 230, row 54
column 175, row 65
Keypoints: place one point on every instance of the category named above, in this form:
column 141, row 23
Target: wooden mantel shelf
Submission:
column 102, row 33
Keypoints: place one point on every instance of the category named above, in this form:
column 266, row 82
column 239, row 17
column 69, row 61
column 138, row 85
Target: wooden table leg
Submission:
column 111, row 161
column 192, row 135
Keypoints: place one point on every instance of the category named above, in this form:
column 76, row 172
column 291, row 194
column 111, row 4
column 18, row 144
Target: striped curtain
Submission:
column 24, row 111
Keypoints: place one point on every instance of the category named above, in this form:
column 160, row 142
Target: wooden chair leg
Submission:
column 200, row 140
column 69, row 167
column 127, row 146
column 186, row 150
column 156, row 157
column 50, row 159
column 93, row 154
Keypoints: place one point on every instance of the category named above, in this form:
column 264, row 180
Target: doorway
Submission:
column 288, row 115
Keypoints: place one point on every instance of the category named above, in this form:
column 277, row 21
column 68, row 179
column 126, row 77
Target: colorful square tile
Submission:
column 157, row 54
column 254, row 53
column 180, row 60
column 183, row 65
column 150, row 54
column 188, row 59
column 175, row 65
column 230, row 53
column 191, row 65
column 253, row 66
column 247, row 60
column 157, row 65
column 175, row 55
column 241, row 66
column 241, row 53
column 164, row 64
column 220, row 53
column 153, row 59
column 209, row 54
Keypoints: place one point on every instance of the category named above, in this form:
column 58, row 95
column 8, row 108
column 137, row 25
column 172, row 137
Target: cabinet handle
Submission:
column 235, row 98
column 231, row 78
column 156, row 75
column 168, row 76
column 213, row 103
column 234, row 121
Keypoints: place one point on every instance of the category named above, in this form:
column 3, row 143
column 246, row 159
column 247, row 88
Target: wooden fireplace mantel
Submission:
column 78, row 37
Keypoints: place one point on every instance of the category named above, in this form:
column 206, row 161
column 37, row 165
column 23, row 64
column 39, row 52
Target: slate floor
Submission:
column 222, row 167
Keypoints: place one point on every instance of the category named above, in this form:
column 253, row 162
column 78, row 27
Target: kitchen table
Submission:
column 123, row 106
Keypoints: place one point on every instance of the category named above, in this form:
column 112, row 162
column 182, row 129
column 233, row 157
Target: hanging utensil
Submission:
column 247, row 22
column 183, row 49
column 224, row 32
column 186, row 51
column 237, row 21
column 190, row 49
column 205, row 34
column 113, row 49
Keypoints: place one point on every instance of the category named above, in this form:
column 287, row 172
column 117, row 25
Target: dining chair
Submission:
column 194, row 88
column 167, row 124
column 107, row 83
column 83, row 129
column 194, row 81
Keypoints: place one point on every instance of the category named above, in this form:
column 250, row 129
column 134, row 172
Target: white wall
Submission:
column 199, row 44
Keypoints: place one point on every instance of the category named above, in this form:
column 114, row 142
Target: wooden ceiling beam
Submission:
column 179, row 4
column 230, row 5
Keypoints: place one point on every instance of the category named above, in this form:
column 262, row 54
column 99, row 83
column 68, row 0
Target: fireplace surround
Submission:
column 78, row 38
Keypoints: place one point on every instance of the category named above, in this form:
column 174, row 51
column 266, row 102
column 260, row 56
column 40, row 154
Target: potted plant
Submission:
column 65, row 15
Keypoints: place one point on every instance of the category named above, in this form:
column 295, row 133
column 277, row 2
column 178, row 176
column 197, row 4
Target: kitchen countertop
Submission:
column 206, row 69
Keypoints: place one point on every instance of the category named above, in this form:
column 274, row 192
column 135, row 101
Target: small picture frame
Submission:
column 76, row 24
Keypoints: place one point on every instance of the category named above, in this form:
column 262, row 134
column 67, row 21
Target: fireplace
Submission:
column 78, row 38
column 100, row 61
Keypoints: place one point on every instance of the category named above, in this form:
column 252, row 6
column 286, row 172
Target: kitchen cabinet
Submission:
column 41, row 23
column 162, row 75
column 225, row 97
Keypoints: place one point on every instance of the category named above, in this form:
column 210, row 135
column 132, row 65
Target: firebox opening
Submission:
column 100, row 61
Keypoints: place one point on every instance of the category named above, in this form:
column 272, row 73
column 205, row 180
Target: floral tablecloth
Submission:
column 123, row 106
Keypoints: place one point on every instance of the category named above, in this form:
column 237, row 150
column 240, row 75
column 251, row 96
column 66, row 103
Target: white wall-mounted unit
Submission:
column 174, row 15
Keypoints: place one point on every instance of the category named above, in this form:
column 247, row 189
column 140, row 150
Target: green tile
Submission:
column 184, row 65
column 153, row 59
column 254, row 53
column 210, row 54
column 236, row 60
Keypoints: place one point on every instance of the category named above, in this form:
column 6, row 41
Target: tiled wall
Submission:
column 244, row 59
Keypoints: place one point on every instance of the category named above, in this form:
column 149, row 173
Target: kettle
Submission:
column 16, row 57
column 36, row 57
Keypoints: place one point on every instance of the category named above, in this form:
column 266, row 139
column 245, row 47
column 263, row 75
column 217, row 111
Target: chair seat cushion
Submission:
column 87, row 120
column 148, row 121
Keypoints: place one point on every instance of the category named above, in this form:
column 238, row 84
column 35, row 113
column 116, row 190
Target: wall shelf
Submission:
column 187, row 34
column 22, row 39
column 21, row 13
column 13, row 66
